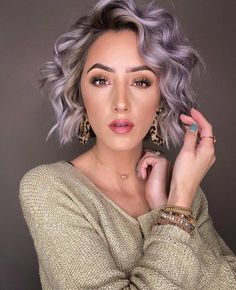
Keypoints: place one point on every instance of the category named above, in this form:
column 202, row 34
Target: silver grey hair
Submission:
column 161, row 44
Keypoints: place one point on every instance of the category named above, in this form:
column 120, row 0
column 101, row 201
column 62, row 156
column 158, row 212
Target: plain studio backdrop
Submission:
column 28, row 32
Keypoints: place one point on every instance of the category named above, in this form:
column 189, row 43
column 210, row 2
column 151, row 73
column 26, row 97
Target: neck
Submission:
column 122, row 161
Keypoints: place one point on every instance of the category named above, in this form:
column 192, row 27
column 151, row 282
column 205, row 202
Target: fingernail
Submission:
column 193, row 127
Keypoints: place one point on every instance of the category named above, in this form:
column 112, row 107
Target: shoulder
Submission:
column 51, row 193
column 39, row 181
column 43, row 192
column 56, row 183
column 39, row 174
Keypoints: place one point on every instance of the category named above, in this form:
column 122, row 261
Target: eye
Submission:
column 142, row 83
column 98, row 80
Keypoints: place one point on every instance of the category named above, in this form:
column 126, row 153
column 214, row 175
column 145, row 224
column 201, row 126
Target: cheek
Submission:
column 93, row 105
column 149, row 108
column 151, row 104
column 95, row 111
column 93, row 98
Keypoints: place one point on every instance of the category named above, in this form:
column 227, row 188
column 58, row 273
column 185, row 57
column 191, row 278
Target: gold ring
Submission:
column 212, row 137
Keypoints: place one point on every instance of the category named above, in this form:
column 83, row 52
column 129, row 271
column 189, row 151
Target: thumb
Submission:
column 190, row 137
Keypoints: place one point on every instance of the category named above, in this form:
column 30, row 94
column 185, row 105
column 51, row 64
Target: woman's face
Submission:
column 113, row 92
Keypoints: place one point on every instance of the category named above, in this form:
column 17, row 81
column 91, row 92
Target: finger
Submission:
column 206, row 127
column 140, row 163
column 190, row 137
column 195, row 117
column 146, row 162
column 148, row 153
column 153, row 153
column 139, row 166
column 187, row 119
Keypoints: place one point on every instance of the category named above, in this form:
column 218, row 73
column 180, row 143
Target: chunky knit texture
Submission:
column 84, row 240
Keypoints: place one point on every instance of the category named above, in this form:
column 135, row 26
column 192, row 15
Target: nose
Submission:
column 119, row 109
column 120, row 100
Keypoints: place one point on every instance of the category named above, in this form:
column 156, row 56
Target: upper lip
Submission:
column 121, row 122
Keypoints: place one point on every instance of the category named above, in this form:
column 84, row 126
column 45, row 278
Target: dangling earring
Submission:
column 84, row 128
column 155, row 135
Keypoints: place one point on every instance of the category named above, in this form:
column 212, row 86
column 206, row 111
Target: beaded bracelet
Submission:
column 161, row 221
column 182, row 210
column 177, row 216
column 173, row 213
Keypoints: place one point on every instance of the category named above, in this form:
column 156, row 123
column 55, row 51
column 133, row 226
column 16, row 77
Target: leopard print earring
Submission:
column 84, row 128
column 155, row 135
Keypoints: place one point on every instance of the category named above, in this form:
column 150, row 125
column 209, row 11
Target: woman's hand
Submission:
column 167, row 185
column 192, row 162
column 156, row 170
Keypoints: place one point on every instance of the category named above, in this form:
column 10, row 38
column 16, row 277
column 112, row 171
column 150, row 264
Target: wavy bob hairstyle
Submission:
column 160, row 43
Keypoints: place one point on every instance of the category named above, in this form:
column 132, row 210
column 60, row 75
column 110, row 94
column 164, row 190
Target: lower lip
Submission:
column 121, row 130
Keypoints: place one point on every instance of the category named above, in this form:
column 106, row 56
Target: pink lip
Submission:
column 127, row 126
column 122, row 122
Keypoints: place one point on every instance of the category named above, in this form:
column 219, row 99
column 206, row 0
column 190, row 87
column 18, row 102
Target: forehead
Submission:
column 115, row 48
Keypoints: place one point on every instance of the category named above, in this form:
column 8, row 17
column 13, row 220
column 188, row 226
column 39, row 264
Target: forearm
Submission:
column 180, row 196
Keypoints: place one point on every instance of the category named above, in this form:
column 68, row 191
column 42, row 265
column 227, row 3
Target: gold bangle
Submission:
column 173, row 210
column 179, row 218
column 188, row 217
column 162, row 221
column 180, row 209
column 182, row 219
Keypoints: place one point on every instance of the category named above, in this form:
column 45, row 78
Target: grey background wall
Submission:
column 28, row 31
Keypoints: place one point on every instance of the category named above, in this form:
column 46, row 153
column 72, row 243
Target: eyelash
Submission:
column 100, row 78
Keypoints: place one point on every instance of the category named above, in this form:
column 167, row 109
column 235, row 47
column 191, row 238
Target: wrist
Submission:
column 179, row 197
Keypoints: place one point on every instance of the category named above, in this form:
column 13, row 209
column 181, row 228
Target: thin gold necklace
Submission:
column 122, row 176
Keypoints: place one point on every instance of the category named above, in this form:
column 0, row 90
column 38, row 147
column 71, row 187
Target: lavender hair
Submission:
column 161, row 44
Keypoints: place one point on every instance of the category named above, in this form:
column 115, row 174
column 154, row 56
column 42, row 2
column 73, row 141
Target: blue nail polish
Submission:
column 193, row 127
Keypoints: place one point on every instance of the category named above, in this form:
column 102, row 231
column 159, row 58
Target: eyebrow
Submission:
column 109, row 69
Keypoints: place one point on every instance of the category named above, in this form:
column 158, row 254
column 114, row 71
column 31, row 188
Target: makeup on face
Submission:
column 121, row 126
column 116, row 76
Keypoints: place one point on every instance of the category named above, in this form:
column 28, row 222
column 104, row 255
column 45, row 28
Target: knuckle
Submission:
column 214, row 157
column 213, row 160
column 163, row 160
column 211, row 150
column 210, row 125
column 210, row 154
column 147, row 154
column 150, row 156
column 187, row 150
column 167, row 160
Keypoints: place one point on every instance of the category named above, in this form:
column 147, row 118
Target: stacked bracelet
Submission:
column 182, row 210
column 177, row 216
column 180, row 214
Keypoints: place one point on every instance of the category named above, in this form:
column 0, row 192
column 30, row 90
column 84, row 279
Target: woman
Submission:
column 119, row 216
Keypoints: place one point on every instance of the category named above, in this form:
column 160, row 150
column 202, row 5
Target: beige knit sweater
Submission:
column 84, row 240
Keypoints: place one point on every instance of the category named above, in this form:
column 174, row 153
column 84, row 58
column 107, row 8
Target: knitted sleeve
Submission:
column 74, row 256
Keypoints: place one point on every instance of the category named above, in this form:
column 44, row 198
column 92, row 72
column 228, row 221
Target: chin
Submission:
column 125, row 144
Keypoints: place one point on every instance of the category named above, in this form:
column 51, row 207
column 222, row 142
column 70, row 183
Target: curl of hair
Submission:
column 160, row 43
